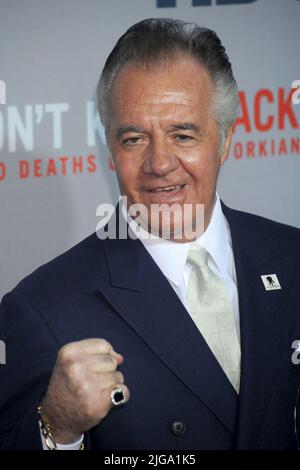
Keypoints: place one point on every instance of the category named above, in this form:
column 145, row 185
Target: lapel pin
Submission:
column 270, row 281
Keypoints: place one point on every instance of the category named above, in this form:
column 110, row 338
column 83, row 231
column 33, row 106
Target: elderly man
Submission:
column 173, row 342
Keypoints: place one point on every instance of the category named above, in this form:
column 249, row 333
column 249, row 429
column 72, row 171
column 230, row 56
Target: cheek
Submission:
column 127, row 173
column 202, row 164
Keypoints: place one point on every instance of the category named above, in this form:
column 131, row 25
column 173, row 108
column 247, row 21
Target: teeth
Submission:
column 169, row 188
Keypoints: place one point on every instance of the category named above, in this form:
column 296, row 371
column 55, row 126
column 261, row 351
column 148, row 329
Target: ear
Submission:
column 225, row 152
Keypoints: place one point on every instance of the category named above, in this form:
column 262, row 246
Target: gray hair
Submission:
column 158, row 40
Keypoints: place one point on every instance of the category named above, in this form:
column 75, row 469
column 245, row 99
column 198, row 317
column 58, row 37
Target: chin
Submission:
column 180, row 232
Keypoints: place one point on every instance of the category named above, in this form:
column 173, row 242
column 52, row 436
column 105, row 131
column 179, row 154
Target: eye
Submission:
column 183, row 138
column 130, row 141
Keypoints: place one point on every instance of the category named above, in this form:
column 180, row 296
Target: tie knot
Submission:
column 197, row 257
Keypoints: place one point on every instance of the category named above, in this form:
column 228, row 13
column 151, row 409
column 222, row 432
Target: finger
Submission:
column 88, row 346
column 106, row 395
column 110, row 380
column 118, row 356
column 125, row 392
column 101, row 363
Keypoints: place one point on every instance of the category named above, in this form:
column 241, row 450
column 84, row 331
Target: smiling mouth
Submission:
column 168, row 189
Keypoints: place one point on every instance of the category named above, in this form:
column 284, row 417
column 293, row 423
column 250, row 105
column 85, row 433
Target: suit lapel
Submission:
column 262, row 324
column 143, row 297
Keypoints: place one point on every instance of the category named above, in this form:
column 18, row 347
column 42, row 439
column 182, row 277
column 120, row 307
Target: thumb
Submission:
column 118, row 357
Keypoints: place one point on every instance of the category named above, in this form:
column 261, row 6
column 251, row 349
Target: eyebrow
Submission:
column 125, row 129
column 185, row 126
column 174, row 127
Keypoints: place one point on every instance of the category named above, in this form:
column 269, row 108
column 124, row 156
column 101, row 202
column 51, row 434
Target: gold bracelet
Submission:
column 47, row 432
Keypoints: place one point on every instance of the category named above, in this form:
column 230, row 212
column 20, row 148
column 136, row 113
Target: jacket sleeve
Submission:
column 31, row 350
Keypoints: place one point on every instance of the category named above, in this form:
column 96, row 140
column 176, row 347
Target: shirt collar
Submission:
column 215, row 239
column 171, row 256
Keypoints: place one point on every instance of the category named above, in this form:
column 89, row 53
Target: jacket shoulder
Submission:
column 66, row 274
column 272, row 235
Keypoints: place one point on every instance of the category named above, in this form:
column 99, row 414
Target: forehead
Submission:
column 181, row 86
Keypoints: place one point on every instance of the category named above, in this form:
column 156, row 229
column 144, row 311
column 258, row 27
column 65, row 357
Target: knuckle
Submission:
column 120, row 377
column 106, row 346
column 73, row 370
column 65, row 353
column 110, row 361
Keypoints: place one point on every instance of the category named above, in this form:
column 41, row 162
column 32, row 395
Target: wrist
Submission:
column 54, row 435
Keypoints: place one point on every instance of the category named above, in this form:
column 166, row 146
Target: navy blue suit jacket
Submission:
column 112, row 289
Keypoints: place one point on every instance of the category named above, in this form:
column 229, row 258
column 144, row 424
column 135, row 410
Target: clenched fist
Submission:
column 78, row 395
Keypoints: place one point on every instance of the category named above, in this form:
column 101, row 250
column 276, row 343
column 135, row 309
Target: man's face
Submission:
column 163, row 135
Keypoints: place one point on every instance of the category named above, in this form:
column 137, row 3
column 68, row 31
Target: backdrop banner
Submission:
column 54, row 166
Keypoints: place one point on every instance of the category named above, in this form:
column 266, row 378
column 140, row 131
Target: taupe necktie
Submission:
column 210, row 309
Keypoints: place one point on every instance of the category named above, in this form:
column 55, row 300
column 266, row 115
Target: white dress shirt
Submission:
column 171, row 258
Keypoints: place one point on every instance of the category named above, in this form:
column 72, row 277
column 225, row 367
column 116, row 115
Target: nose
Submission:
column 159, row 159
